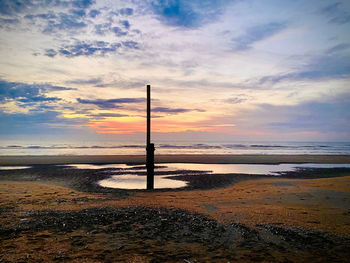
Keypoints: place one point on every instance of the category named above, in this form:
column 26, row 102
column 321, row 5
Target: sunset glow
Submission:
column 240, row 70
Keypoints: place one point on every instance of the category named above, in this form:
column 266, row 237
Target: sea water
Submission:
column 135, row 148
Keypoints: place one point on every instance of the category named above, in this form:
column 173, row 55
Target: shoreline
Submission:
column 45, row 214
column 178, row 158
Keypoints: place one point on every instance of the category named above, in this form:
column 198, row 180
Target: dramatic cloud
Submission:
column 241, row 61
column 111, row 103
column 257, row 33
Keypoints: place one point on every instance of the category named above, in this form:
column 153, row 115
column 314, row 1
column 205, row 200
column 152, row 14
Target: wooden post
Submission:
column 148, row 114
column 150, row 146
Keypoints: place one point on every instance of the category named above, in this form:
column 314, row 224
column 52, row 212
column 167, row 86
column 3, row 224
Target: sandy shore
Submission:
column 49, row 213
column 55, row 213
column 185, row 158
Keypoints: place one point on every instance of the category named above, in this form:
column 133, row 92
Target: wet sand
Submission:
column 53, row 213
column 185, row 158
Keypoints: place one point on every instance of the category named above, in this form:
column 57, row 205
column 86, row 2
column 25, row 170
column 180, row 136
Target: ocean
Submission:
column 135, row 148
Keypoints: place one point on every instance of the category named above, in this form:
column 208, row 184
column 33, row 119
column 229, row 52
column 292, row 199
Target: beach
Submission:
column 53, row 212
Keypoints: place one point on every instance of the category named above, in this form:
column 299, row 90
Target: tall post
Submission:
column 148, row 114
column 150, row 146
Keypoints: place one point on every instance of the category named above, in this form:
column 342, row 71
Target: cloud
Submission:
column 50, row 52
column 203, row 84
column 111, row 103
column 173, row 110
column 126, row 11
column 118, row 31
column 71, row 19
column 68, row 16
column 49, row 15
column 66, row 22
column 323, row 119
column 235, row 100
column 169, row 110
column 257, row 33
column 338, row 48
column 27, row 92
column 38, row 99
column 102, row 29
column 93, row 13
column 336, row 13
column 98, row 48
column 322, row 67
column 131, row 44
column 8, row 21
column 92, row 81
column 311, row 116
column 108, row 114
column 78, row 12
column 187, row 14
column 10, row 7
column 124, row 84
column 82, row 3
column 34, row 122
column 125, row 23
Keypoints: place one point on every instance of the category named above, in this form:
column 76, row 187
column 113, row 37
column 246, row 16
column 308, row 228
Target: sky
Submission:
column 251, row 70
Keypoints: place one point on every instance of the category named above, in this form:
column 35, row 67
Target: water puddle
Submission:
column 14, row 167
column 247, row 168
column 131, row 180
column 98, row 166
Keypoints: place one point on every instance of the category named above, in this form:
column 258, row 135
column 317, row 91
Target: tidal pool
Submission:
column 247, row 168
column 14, row 167
column 98, row 166
column 134, row 181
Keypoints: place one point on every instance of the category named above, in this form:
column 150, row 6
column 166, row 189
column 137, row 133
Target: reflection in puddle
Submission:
column 98, row 166
column 247, row 168
column 132, row 181
column 14, row 167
